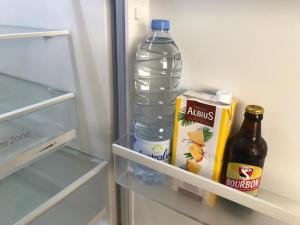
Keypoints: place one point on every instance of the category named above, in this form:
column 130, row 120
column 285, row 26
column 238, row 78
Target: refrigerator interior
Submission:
column 80, row 63
column 50, row 61
column 248, row 47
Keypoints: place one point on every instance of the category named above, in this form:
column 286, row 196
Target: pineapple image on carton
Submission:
column 192, row 166
column 196, row 152
column 197, row 137
column 202, row 126
column 197, row 143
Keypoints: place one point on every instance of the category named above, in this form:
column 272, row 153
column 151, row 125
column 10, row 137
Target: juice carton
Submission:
column 202, row 127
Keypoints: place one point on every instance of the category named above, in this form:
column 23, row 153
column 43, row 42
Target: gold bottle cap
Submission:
column 255, row 109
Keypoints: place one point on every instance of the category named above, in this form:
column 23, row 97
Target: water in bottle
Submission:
column 157, row 74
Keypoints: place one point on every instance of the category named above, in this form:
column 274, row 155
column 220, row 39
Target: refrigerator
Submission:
column 67, row 103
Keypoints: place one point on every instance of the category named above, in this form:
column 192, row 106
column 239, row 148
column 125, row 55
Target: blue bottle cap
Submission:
column 160, row 24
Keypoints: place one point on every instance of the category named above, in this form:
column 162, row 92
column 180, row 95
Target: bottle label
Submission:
column 159, row 150
column 243, row 177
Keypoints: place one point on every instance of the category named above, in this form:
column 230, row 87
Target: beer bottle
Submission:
column 247, row 152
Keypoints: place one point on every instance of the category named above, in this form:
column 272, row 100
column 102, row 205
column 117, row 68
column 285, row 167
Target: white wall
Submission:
column 89, row 23
column 251, row 48
column 149, row 212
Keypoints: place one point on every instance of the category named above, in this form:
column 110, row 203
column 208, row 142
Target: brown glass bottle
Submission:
column 247, row 152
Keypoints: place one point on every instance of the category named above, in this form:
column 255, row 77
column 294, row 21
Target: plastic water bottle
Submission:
column 157, row 74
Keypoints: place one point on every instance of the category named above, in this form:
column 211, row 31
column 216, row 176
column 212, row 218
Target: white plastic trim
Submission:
column 34, row 107
column 22, row 159
column 34, row 34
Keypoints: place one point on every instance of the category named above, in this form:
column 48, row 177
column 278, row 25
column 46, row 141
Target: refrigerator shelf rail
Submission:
column 34, row 190
column 15, row 32
column 268, row 208
column 12, row 161
column 19, row 97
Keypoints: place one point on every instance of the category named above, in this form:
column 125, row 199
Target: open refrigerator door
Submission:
column 245, row 47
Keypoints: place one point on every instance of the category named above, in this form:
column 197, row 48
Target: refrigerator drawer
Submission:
column 34, row 119
column 232, row 206
column 67, row 179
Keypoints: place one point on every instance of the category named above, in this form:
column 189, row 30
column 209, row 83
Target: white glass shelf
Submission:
column 32, row 191
column 19, row 97
column 14, row 32
column 34, row 119
column 81, row 207
column 268, row 208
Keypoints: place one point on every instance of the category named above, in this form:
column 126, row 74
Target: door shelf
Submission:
column 268, row 208
column 33, row 190
column 14, row 32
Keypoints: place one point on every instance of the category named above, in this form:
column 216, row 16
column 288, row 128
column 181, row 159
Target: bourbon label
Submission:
column 243, row 177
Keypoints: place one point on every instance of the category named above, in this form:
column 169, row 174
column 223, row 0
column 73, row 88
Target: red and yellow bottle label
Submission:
column 243, row 177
